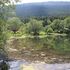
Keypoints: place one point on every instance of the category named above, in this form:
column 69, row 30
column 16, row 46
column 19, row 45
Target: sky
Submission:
column 31, row 1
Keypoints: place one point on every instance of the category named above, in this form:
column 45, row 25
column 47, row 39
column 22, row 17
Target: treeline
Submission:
column 38, row 26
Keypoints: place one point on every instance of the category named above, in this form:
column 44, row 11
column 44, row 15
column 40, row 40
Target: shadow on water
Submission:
column 3, row 60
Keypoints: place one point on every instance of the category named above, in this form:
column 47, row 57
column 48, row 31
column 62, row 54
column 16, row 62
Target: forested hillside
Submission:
column 43, row 9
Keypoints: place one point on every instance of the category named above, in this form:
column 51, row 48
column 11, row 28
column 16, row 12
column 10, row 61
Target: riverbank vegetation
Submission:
column 38, row 26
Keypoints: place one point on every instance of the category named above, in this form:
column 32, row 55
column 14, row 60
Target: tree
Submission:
column 3, row 22
column 57, row 26
column 2, row 32
column 67, row 25
column 3, row 38
column 34, row 27
column 14, row 24
column 3, row 5
column 46, row 22
column 48, row 29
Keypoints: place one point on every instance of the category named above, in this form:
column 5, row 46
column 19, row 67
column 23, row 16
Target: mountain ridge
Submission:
column 43, row 9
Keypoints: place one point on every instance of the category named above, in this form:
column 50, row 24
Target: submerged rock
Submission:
column 3, row 55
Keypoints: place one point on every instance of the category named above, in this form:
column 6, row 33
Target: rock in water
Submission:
column 3, row 65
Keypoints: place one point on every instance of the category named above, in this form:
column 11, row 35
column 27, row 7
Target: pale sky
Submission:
column 30, row 1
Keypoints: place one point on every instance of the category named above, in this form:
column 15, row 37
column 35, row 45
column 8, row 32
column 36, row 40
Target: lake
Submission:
column 46, row 51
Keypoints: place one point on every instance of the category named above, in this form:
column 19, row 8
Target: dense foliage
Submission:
column 39, row 26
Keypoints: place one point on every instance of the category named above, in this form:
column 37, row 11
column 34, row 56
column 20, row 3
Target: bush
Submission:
column 34, row 27
column 14, row 24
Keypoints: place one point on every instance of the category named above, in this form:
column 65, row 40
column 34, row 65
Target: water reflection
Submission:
column 59, row 44
column 50, row 49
